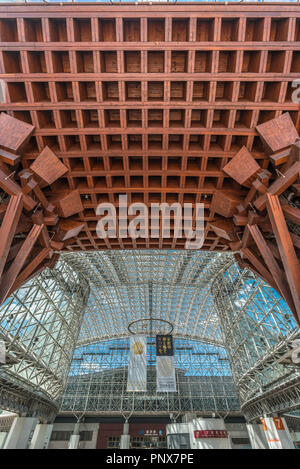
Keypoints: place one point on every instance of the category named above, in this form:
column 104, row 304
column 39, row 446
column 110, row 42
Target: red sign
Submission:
column 210, row 434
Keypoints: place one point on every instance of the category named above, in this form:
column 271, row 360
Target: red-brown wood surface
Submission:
column 163, row 103
column 151, row 101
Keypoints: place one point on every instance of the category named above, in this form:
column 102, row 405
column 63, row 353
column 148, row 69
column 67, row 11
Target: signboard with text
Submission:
column 210, row 434
column 165, row 370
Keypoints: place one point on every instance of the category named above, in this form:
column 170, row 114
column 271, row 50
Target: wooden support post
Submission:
column 9, row 278
column 8, row 227
column 270, row 261
column 259, row 266
column 280, row 185
column 29, row 269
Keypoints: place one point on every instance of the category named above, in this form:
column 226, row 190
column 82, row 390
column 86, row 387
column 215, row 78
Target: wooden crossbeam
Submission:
column 286, row 249
column 280, row 157
column 10, row 276
column 278, row 133
column 292, row 213
column 40, row 196
column 240, row 220
column 12, row 188
column 214, row 244
column 9, row 158
column 296, row 240
column 44, row 237
column 294, row 155
column 280, row 185
column 14, row 133
column 14, row 251
column 274, row 249
column 225, row 202
column 223, row 228
column 252, row 219
column 24, row 224
column 259, row 266
column 8, row 227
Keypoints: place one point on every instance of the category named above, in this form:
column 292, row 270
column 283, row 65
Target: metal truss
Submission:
column 168, row 285
column 98, row 379
column 259, row 331
column 229, row 327
column 39, row 325
column 281, row 399
column 130, row 285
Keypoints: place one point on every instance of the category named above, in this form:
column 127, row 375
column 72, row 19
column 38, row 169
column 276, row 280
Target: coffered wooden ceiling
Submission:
column 164, row 103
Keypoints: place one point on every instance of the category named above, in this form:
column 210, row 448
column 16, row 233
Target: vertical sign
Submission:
column 137, row 367
column 165, row 371
column 277, row 433
column 2, row 352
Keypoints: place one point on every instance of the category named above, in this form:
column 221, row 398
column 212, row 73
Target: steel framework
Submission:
column 259, row 333
column 98, row 378
column 130, row 285
column 223, row 319
column 39, row 325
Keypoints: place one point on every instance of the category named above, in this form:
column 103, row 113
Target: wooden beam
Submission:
column 14, row 133
column 10, row 277
column 249, row 197
column 225, row 202
column 242, row 167
column 280, row 157
column 9, row 158
column 286, row 249
column 12, row 188
column 44, row 237
column 40, row 196
column 252, row 219
column 296, row 240
column 29, row 269
column 292, row 213
column 259, row 186
column 24, row 224
column 240, row 220
column 223, row 228
column 280, row 185
column 294, row 155
column 278, row 133
column 259, row 266
column 68, row 229
column 68, row 204
column 14, row 251
column 47, row 167
column 8, row 227
column 214, row 244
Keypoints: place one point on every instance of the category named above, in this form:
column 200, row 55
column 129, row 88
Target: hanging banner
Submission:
column 137, row 367
column 2, row 352
column 165, row 370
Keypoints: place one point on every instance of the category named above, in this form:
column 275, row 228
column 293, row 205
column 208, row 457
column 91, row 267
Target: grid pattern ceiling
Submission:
column 148, row 102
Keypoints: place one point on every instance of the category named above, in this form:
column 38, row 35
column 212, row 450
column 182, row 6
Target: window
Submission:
column 113, row 442
column 64, row 435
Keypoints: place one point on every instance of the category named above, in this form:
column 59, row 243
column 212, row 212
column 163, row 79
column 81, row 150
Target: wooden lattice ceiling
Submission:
column 154, row 101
